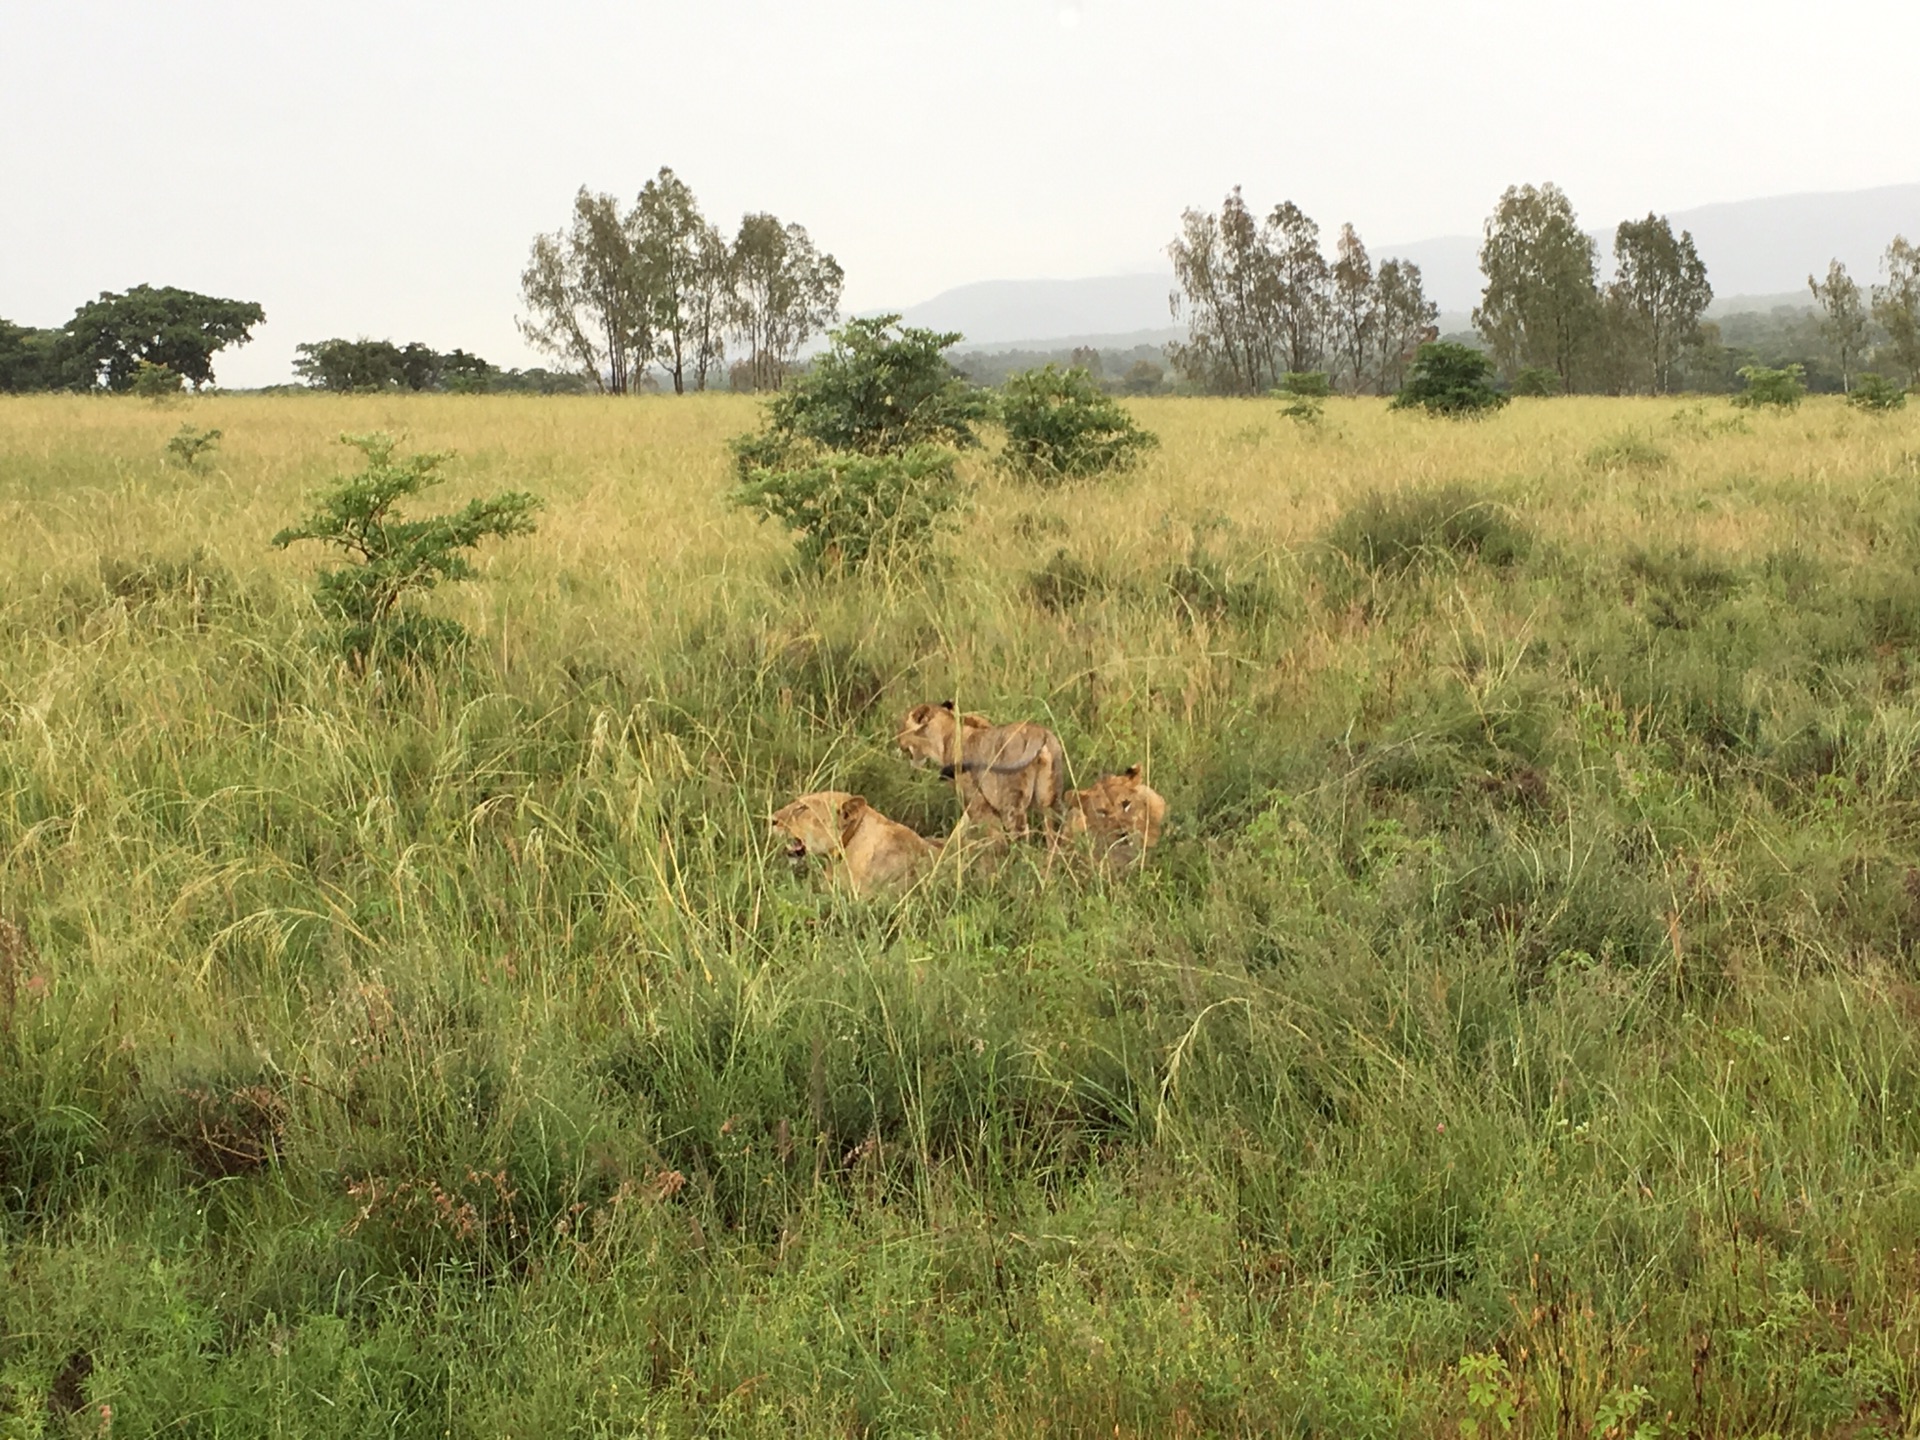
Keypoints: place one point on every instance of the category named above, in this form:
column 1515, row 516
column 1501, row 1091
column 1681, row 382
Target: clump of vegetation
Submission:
column 1781, row 389
column 1875, row 394
column 1629, row 450
column 158, row 383
column 1062, row 426
column 393, row 559
column 848, row 509
column 1305, row 393
column 1451, row 380
column 1537, row 382
column 1312, row 384
column 189, row 444
column 857, row 455
column 1391, row 532
column 221, row 1124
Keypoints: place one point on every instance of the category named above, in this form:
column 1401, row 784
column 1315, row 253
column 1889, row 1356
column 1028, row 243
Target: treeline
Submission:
column 1262, row 299
column 658, row 285
column 161, row 333
column 359, row 366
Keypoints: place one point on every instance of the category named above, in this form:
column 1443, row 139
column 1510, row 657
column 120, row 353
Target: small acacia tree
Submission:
column 1062, row 426
column 394, row 558
column 856, row 456
column 1780, row 388
column 1451, row 380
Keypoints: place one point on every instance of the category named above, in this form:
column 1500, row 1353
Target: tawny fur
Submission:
column 1003, row 772
column 1121, row 814
column 858, row 843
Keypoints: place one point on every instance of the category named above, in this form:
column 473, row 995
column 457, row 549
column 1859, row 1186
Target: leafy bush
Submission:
column 1537, row 382
column 159, row 383
column 882, row 388
column 1782, row 388
column 189, row 444
column 1451, row 380
column 1390, row 532
column 1627, row 451
column 394, row 558
column 1313, row 384
column 1062, row 426
column 849, row 509
column 1875, row 393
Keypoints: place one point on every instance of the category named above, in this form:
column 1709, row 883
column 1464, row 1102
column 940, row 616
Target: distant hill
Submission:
column 1758, row 253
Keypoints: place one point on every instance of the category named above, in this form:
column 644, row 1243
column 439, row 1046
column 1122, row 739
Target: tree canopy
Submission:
column 179, row 329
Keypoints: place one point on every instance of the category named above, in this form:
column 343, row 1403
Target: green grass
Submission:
column 1529, row 971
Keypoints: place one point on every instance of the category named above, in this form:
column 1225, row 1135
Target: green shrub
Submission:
column 848, row 509
column 1876, row 394
column 1451, row 380
column 1782, row 388
column 881, row 388
column 1537, row 382
column 1628, row 450
column 1062, row 426
column 1314, row 384
column 393, row 558
column 189, row 444
column 158, row 383
column 1391, row 532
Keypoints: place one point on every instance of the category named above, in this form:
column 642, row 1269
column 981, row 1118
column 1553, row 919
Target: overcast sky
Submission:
column 379, row 168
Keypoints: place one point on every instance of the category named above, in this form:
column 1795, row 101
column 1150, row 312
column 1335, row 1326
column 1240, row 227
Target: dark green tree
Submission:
column 1451, row 380
column 33, row 359
column 179, row 329
column 350, row 365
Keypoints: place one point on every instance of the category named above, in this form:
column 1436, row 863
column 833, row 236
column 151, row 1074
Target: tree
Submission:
column 785, row 292
column 1540, row 306
column 1843, row 319
column 180, row 329
column 1661, row 282
column 710, row 307
column 1451, row 380
column 586, row 295
column 1354, row 307
column 464, row 374
column 676, row 247
column 1086, row 358
column 1896, row 305
column 33, row 359
column 392, row 558
column 881, row 388
column 1299, row 288
column 1224, row 271
column 350, row 365
column 1405, row 321
column 1143, row 377
column 1062, row 426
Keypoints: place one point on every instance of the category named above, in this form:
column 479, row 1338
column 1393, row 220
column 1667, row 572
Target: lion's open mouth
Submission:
column 797, row 850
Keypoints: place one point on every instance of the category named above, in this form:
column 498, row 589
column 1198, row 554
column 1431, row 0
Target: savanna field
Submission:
column 1516, row 1032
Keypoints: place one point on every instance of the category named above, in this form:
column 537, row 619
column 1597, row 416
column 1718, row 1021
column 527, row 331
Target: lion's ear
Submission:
column 852, row 811
column 1132, row 772
column 946, row 704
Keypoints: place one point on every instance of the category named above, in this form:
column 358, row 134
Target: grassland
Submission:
column 1522, row 1020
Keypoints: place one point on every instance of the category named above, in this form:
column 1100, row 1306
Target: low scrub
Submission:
column 1394, row 532
column 847, row 511
column 1062, row 426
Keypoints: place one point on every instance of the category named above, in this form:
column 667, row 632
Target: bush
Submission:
column 1390, row 532
column 1627, row 451
column 850, row 509
column 881, row 389
column 395, row 558
column 155, row 382
column 1451, row 380
column 189, row 444
column 1537, row 382
column 1782, row 388
column 1876, row 394
column 1313, row 384
column 1062, row 426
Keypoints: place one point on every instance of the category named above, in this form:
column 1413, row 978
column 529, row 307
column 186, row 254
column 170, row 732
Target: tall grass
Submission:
column 1530, row 969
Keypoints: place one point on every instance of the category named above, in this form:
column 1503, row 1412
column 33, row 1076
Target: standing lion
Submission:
column 1001, row 771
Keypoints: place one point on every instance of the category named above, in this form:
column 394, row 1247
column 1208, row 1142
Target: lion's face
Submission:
column 926, row 735
column 1120, row 807
column 815, row 824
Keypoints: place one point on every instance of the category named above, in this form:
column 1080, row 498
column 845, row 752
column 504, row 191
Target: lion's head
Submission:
column 820, row 823
column 927, row 734
column 1118, row 809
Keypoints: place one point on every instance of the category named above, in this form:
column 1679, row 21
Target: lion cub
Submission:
column 1123, row 815
column 1002, row 771
column 873, row 851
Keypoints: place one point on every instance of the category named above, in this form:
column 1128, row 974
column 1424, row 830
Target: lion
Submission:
column 872, row 851
column 1001, row 771
column 1122, row 814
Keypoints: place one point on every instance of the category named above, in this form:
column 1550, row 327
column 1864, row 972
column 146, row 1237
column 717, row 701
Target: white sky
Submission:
column 379, row 168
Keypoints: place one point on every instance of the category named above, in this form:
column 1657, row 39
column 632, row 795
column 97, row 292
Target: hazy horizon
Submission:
column 381, row 170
